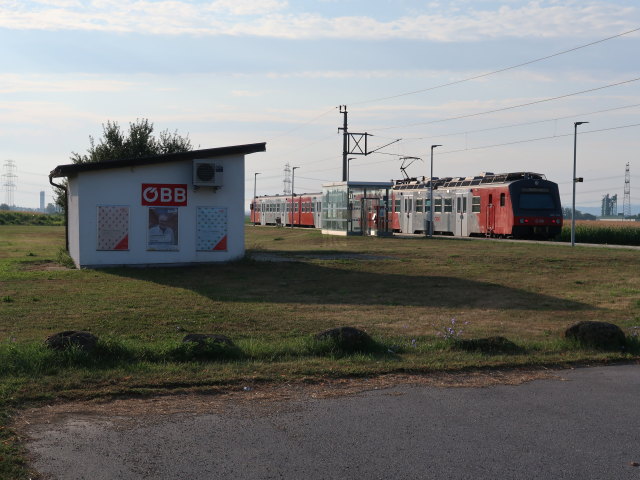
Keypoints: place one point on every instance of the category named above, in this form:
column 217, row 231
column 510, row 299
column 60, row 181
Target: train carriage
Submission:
column 304, row 210
column 518, row 205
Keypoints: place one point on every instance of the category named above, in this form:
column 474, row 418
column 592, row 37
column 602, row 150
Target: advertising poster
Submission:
column 211, row 225
column 163, row 229
column 113, row 227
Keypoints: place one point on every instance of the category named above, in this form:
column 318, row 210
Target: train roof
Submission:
column 482, row 179
column 283, row 196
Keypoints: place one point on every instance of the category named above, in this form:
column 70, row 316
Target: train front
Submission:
column 537, row 212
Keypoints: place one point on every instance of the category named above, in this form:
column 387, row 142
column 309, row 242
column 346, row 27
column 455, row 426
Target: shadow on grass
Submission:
column 36, row 359
column 249, row 281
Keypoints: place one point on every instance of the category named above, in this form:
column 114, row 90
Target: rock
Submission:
column 597, row 334
column 71, row 338
column 346, row 337
column 201, row 338
column 489, row 345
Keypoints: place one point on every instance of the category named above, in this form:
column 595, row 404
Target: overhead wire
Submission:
column 513, row 125
column 505, row 143
column 511, row 107
column 483, row 75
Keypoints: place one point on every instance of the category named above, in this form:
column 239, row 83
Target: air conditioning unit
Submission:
column 206, row 173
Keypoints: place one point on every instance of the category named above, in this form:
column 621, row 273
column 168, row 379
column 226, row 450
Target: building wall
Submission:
column 122, row 187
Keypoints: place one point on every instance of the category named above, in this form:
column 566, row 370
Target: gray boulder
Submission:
column 71, row 338
column 597, row 334
column 346, row 337
column 202, row 338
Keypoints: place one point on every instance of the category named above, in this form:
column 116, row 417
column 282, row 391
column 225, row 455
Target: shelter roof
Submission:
column 73, row 168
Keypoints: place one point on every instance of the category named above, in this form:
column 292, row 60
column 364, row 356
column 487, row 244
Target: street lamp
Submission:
column 255, row 176
column 349, row 167
column 431, row 193
column 293, row 179
column 575, row 180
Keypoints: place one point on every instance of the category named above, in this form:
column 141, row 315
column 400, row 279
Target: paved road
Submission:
column 585, row 427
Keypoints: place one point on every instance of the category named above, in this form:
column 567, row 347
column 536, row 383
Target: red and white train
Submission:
column 517, row 205
column 305, row 210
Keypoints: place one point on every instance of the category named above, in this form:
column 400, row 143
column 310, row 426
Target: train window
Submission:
column 396, row 207
column 475, row 204
column 491, row 199
column 458, row 204
column 427, row 204
column 537, row 201
column 419, row 202
column 464, row 204
column 502, row 199
column 448, row 205
column 437, row 205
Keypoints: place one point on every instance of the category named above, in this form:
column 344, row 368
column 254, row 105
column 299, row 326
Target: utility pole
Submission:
column 626, row 201
column 354, row 144
column 431, row 193
column 255, row 176
column 345, row 143
column 575, row 180
column 9, row 180
column 293, row 194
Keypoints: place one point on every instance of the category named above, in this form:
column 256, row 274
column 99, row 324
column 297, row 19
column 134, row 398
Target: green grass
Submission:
column 403, row 293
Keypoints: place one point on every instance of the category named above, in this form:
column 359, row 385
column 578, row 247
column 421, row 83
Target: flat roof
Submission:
column 352, row 183
column 72, row 168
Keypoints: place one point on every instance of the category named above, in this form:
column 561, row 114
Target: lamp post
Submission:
column 255, row 176
column 349, row 167
column 293, row 179
column 431, row 193
column 575, row 179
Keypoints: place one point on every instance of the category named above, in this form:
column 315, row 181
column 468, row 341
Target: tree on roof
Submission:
column 138, row 142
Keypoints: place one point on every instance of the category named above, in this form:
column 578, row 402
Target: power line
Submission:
column 506, row 143
column 456, row 82
column 540, row 138
column 511, row 107
column 519, row 124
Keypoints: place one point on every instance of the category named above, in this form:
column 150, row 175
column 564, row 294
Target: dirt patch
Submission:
column 294, row 257
column 43, row 266
column 265, row 397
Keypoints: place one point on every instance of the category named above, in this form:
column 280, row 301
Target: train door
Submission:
column 461, row 207
column 371, row 216
column 407, row 214
column 318, row 212
column 491, row 216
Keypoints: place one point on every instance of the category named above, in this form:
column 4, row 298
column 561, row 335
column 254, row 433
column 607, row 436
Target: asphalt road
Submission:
column 585, row 424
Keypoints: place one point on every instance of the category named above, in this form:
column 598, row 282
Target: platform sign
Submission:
column 164, row 195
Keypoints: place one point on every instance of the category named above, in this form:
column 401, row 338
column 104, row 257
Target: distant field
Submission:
column 602, row 232
column 607, row 223
column 403, row 292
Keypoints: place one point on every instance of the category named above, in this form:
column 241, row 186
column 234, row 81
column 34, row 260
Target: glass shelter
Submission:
column 356, row 208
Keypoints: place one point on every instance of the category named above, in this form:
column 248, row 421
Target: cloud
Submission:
column 456, row 21
column 248, row 7
column 246, row 93
column 14, row 83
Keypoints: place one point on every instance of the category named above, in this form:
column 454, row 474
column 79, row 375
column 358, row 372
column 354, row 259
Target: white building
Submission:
column 172, row 209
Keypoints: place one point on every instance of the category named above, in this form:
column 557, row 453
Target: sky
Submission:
column 230, row 72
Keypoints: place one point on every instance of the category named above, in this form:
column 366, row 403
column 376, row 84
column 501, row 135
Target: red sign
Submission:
column 164, row 195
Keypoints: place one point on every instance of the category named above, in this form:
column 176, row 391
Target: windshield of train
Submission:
column 536, row 199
